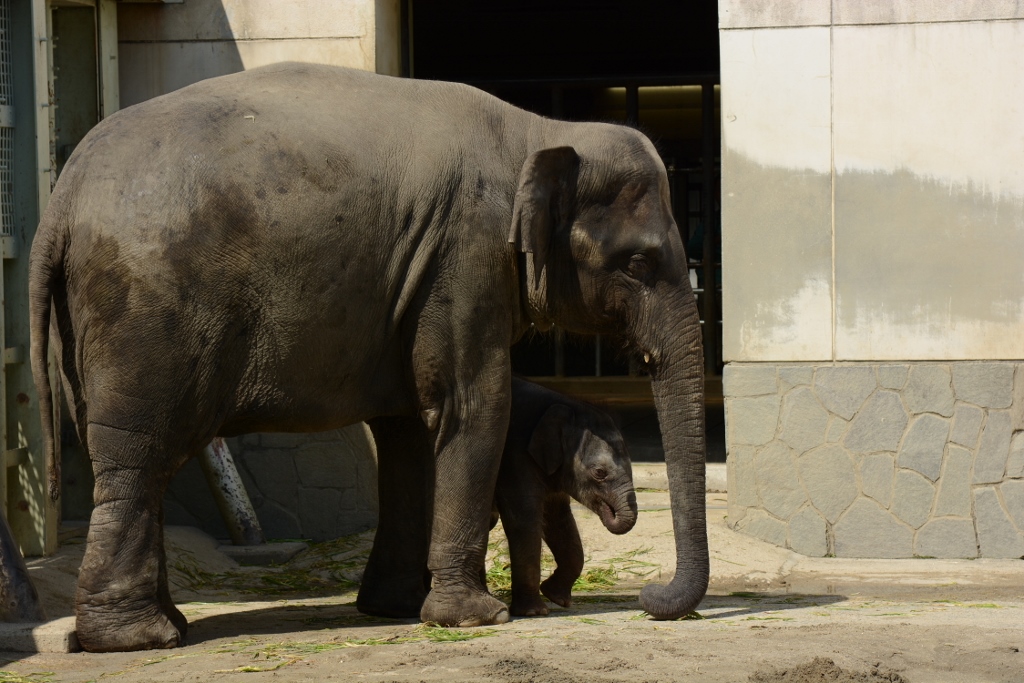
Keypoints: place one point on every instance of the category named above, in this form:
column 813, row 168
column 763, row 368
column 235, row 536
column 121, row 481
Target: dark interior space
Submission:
column 650, row 64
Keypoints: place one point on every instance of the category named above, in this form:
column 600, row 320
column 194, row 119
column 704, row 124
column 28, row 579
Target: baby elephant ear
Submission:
column 544, row 201
column 547, row 445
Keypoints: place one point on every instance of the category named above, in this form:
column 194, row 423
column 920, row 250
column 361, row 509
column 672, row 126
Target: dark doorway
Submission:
column 652, row 64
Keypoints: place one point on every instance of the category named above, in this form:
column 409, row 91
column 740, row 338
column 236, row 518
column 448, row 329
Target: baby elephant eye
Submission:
column 600, row 473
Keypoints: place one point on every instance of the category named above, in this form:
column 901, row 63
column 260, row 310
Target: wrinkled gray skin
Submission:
column 296, row 248
column 556, row 448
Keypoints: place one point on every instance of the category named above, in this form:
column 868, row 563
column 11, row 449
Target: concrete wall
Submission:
column 878, row 459
column 873, row 195
column 873, row 233
column 166, row 47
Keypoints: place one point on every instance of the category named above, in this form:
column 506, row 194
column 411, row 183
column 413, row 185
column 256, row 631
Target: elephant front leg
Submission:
column 122, row 602
column 563, row 538
column 469, row 443
column 395, row 582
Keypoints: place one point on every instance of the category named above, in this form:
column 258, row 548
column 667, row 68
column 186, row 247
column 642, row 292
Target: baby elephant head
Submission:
column 584, row 450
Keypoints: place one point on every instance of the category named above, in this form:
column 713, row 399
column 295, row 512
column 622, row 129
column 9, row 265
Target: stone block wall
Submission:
column 878, row 459
column 314, row 486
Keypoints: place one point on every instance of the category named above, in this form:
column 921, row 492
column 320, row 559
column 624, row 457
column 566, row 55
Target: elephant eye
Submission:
column 600, row 474
column 639, row 267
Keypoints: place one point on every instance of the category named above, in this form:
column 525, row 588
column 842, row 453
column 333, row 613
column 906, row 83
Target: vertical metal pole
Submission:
column 709, row 266
column 230, row 494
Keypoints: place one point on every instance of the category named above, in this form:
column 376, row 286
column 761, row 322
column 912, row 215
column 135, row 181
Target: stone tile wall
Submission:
column 316, row 486
column 878, row 459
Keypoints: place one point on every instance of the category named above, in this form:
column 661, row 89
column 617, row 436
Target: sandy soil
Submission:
column 299, row 622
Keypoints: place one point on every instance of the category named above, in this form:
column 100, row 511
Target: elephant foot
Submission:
column 177, row 618
column 106, row 630
column 396, row 599
column 528, row 606
column 460, row 606
column 557, row 591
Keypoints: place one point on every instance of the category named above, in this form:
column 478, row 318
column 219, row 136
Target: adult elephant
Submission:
column 297, row 248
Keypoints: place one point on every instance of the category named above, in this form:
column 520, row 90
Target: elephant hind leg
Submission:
column 396, row 580
column 123, row 602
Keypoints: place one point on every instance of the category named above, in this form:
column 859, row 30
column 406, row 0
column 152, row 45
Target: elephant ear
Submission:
column 543, row 203
column 551, row 438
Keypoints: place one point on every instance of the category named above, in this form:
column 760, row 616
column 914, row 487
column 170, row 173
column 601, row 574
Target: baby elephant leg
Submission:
column 524, row 556
column 563, row 538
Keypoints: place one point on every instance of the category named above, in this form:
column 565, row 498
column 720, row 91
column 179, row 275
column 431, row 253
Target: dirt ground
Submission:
column 758, row 622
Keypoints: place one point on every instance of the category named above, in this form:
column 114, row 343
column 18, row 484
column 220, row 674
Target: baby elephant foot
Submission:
column 458, row 606
column 528, row 606
column 557, row 591
column 105, row 630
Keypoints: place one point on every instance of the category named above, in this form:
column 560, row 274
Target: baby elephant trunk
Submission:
column 618, row 509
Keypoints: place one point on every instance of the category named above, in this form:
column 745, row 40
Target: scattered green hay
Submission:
column 498, row 568
column 644, row 489
column 769, row 619
column 603, row 578
column 599, row 578
column 793, row 600
column 35, row 677
column 324, row 569
column 158, row 660
column 747, row 594
column 691, row 616
column 498, row 573
column 638, row 617
column 589, row 620
column 440, row 634
column 422, row 633
column 959, row 603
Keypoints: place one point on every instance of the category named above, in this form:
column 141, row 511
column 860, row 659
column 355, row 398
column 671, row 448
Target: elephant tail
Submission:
column 46, row 278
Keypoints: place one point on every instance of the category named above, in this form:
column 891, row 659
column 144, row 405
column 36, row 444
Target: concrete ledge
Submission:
column 983, row 579
column 264, row 554
column 652, row 475
column 52, row 636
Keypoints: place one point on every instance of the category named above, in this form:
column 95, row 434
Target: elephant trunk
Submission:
column 618, row 510
column 678, row 386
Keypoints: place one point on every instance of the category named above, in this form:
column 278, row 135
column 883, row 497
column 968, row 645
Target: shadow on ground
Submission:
column 300, row 617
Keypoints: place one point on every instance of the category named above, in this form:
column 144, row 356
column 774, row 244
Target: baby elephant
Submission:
column 556, row 448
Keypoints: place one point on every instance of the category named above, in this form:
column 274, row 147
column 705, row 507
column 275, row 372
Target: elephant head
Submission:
column 601, row 253
column 585, row 451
